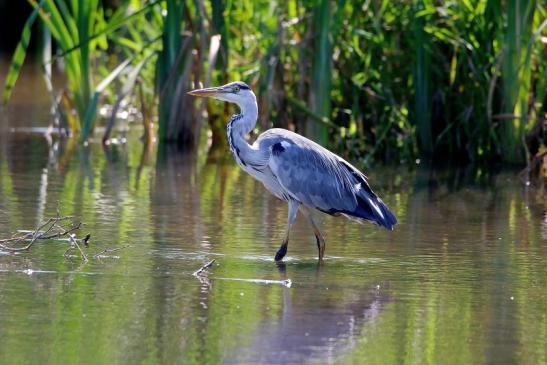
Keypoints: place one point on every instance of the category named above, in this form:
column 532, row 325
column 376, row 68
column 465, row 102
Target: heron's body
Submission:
column 297, row 170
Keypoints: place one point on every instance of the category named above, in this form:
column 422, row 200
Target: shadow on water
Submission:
column 460, row 280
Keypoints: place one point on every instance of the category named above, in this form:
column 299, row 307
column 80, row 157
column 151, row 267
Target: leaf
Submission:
column 19, row 56
column 108, row 28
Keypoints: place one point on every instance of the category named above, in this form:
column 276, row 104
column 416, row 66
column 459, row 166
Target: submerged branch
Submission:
column 204, row 268
column 55, row 228
column 286, row 283
column 43, row 232
column 99, row 255
column 74, row 243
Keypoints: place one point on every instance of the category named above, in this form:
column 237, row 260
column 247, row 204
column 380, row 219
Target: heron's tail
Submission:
column 373, row 209
column 389, row 219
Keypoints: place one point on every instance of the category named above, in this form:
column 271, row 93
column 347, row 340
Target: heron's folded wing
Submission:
column 312, row 176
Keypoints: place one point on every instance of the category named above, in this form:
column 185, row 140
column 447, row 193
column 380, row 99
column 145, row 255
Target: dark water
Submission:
column 461, row 280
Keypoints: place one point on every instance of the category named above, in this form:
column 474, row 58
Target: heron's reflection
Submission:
column 316, row 324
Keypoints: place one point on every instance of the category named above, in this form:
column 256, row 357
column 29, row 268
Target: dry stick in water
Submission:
column 64, row 233
column 52, row 236
column 51, row 229
column 204, row 267
column 39, row 233
column 107, row 250
column 73, row 242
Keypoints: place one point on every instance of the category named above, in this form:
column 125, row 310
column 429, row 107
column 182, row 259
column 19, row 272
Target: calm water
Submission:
column 461, row 280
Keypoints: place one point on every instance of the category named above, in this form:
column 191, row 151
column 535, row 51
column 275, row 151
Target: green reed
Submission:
column 382, row 80
column 79, row 29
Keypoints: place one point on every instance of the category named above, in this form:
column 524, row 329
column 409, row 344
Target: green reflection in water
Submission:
column 461, row 280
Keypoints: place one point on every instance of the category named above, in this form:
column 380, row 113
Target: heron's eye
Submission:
column 236, row 89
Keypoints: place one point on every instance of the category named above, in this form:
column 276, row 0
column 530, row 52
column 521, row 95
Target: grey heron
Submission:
column 297, row 170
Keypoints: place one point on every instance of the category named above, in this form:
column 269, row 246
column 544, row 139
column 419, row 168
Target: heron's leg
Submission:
column 318, row 235
column 293, row 209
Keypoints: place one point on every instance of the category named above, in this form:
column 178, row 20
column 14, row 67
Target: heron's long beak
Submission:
column 210, row 91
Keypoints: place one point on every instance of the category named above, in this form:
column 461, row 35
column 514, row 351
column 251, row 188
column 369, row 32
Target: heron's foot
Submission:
column 281, row 267
column 281, row 252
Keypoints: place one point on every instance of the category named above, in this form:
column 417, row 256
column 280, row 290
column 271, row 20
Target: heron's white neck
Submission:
column 248, row 115
column 239, row 126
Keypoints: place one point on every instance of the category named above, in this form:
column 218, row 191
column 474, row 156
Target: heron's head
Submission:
column 235, row 92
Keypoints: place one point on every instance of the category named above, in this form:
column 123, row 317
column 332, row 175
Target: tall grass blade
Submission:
column 214, row 47
column 124, row 92
column 219, row 26
column 116, row 23
column 181, row 107
column 91, row 109
column 218, row 8
column 321, row 80
column 85, row 20
column 19, row 56
column 167, row 60
column 422, row 81
column 516, row 77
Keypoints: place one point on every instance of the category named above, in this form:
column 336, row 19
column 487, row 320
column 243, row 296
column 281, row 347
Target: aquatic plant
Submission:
column 80, row 30
column 379, row 80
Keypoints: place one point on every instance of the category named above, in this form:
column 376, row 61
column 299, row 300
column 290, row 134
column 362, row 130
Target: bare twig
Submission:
column 38, row 233
column 107, row 250
column 204, row 267
column 72, row 240
column 53, row 228
column 64, row 233
column 286, row 283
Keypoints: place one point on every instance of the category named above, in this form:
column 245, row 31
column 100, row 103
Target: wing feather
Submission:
column 320, row 179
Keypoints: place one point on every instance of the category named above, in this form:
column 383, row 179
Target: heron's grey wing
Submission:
column 322, row 180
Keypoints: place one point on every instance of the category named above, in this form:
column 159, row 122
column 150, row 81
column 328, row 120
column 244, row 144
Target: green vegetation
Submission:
column 390, row 80
column 80, row 30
